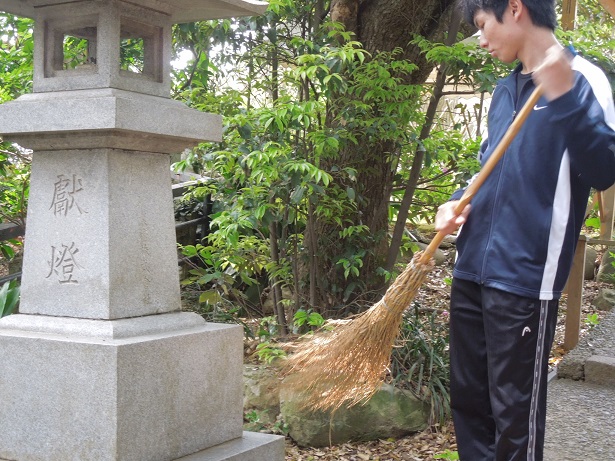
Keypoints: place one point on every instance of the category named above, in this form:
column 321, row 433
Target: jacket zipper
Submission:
column 495, row 200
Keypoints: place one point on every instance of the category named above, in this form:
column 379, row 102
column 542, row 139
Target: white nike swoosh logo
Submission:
column 537, row 107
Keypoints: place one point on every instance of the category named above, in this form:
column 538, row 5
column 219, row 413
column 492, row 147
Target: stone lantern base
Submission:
column 100, row 364
column 152, row 388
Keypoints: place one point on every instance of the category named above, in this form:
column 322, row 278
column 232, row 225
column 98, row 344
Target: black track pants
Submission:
column 499, row 345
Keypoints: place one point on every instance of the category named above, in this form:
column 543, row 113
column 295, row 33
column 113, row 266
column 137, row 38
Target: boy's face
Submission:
column 497, row 37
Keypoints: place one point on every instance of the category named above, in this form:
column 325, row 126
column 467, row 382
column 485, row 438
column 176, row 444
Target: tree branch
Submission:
column 419, row 155
column 23, row 158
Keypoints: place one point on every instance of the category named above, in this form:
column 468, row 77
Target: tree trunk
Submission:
column 276, row 290
column 390, row 24
column 346, row 12
column 380, row 25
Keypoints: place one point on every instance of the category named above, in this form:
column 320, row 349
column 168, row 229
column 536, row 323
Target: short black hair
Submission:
column 542, row 12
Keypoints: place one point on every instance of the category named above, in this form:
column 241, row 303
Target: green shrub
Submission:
column 420, row 360
column 9, row 298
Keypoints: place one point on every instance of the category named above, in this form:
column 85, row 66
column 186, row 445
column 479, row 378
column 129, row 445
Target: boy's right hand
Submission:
column 447, row 220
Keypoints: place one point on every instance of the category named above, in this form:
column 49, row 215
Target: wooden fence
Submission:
column 574, row 289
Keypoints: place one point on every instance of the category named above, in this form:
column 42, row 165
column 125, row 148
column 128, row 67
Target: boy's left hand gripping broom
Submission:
column 348, row 365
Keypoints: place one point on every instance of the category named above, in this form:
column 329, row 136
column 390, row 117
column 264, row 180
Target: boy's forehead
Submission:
column 481, row 14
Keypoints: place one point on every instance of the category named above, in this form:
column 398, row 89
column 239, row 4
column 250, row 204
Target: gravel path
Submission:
column 580, row 422
column 580, row 414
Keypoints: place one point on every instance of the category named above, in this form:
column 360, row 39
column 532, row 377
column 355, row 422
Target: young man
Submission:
column 517, row 243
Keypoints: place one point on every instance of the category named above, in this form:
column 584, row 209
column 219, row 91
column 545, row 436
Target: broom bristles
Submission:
column 348, row 365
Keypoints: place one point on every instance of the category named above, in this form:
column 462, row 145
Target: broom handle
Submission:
column 487, row 168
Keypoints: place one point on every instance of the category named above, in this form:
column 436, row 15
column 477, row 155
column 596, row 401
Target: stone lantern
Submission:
column 100, row 363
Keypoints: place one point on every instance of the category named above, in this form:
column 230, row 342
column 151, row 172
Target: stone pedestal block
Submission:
column 252, row 446
column 146, row 389
column 91, row 251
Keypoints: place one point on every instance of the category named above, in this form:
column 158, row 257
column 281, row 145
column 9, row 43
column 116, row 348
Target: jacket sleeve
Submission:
column 586, row 122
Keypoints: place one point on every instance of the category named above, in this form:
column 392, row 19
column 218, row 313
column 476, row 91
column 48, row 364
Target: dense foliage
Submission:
column 268, row 175
column 16, row 48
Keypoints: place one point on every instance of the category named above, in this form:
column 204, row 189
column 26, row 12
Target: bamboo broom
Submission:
column 348, row 365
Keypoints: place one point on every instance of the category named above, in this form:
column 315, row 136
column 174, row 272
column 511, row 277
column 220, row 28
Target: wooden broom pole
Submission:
column 487, row 168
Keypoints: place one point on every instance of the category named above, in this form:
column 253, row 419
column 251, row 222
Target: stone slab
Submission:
column 252, row 446
column 599, row 341
column 181, row 10
column 102, row 329
column 154, row 397
column 17, row 7
column 195, row 10
column 600, row 369
column 105, row 118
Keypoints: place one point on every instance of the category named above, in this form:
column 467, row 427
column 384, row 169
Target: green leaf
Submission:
column 210, row 297
column 332, row 142
column 245, row 131
column 205, row 279
column 593, row 222
column 315, row 319
column 3, row 296
column 9, row 298
column 300, row 317
column 260, row 211
column 7, row 251
column 189, row 250
column 297, row 195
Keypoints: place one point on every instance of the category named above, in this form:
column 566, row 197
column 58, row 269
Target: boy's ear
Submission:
column 516, row 6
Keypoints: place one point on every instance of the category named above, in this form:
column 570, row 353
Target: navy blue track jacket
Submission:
column 521, row 234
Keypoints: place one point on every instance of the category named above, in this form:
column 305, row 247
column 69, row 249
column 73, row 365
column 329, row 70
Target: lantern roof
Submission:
column 181, row 11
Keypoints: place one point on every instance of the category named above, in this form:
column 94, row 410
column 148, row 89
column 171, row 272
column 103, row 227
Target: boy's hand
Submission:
column 555, row 74
column 447, row 220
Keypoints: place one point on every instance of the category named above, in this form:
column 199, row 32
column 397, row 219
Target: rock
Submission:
column 571, row 369
column 392, row 412
column 606, row 271
column 261, row 392
column 439, row 256
column 268, row 307
column 425, row 229
column 605, row 299
column 449, row 241
column 590, row 263
column 600, row 370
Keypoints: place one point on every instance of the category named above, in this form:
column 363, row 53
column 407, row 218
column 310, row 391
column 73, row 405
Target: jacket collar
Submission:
column 510, row 81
